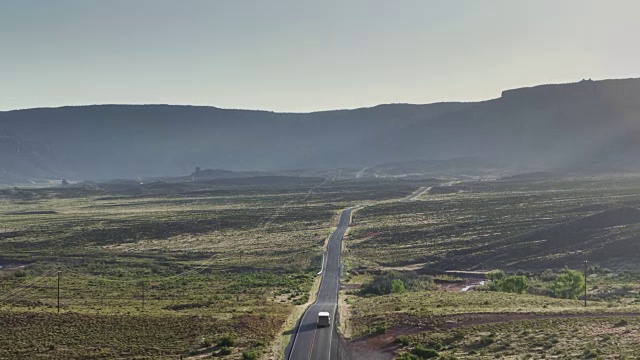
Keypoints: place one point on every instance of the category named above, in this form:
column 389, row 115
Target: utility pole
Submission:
column 58, row 290
column 585, row 283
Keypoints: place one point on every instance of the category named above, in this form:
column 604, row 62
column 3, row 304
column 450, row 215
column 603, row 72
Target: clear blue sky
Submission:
column 298, row 55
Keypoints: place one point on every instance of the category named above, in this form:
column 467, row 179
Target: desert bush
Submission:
column 250, row 355
column 379, row 329
column 568, row 285
column 496, row 275
column 397, row 286
column 513, row 284
column 227, row 341
column 548, row 275
column 486, row 340
column 501, row 282
column 403, row 340
column 407, row 356
column 395, row 282
column 424, row 353
column 435, row 344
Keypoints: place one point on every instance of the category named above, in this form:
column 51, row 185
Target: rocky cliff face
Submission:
column 584, row 125
column 619, row 92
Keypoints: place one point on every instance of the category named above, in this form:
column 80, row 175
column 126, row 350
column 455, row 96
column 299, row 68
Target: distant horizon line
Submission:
column 313, row 111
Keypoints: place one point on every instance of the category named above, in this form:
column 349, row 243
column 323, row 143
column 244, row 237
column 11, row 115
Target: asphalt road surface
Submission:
column 321, row 343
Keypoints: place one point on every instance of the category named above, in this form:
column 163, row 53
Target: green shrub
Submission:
column 486, row 340
column 496, row 275
column 395, row 282
column 514, row 284
column 227, row 341
column 568, row 285
column 424, row 353
column 380, row 329
column 397, row 286
column 407, row 356
column 501, row 282
column 435, row 344
column 548, row 275
column 224, row 351
column 403, row 340
column 250, row 355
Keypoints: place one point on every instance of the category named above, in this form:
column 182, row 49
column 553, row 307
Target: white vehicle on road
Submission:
column 324, row 319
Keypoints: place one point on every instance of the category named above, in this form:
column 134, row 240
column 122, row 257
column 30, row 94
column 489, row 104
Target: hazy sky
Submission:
column 304, row 55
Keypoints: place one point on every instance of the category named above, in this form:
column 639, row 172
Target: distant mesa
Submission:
column 588, row 127
column 211, row 174
column 619, row 89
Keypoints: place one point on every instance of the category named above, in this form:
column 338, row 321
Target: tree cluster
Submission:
column 395, row 282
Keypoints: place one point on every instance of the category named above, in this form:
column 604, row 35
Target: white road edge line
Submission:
column 323, row 265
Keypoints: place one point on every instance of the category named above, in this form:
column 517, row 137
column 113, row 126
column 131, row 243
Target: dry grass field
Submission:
column 217, row 268
column 164, row 270
column 534, row 228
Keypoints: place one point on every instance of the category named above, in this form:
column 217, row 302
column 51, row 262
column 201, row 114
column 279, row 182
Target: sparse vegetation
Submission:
column 507, row 224
column 532, row 230
column 219, row 263
column 227, row 341
column 220, row 266
column 424, row 353
column 250, row 355
column 394, row 282
column 576, row 338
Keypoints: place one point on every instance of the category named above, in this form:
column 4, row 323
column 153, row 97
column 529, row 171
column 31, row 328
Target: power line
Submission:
column 26, row 285
column 17, row 296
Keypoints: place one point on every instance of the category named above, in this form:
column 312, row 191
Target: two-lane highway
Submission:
column 320, row 343
column 311, row 342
